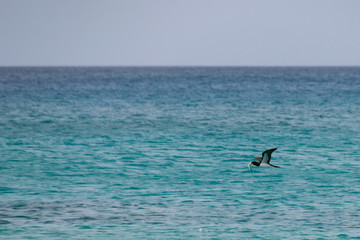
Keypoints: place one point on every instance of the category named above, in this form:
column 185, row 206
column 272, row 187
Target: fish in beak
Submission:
column 250, row 166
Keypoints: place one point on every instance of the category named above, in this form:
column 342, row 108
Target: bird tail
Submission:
column 273, row 165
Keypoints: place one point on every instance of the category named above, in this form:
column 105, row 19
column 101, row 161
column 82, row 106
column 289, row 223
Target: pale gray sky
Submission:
column 180, row 32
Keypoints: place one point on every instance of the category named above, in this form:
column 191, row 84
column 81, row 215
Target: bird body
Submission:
column 264, row 160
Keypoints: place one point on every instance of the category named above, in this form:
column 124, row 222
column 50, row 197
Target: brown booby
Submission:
column 264, row 160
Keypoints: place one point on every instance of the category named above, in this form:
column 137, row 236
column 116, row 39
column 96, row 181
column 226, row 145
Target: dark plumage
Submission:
column 264, row 160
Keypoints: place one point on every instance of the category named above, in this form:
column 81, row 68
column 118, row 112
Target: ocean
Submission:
column 163, row 152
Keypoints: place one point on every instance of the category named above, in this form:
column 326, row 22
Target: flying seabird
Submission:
column 264, row 160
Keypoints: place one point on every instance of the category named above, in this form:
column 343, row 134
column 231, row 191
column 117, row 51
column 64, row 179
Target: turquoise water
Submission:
column 162, row 153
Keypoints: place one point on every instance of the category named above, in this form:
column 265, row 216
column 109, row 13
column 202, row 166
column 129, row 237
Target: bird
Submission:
column 264, row 160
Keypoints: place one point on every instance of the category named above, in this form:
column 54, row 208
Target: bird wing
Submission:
column 266, row 155
column 259, row 159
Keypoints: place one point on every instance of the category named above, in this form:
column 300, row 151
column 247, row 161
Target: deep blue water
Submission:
column 162, row 153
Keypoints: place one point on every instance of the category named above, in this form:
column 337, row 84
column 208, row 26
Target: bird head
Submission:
column 253, row 163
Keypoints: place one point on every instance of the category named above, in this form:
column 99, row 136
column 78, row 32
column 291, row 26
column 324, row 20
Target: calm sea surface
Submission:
column 162, row 153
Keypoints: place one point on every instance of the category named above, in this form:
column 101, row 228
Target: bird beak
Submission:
column 250, row 166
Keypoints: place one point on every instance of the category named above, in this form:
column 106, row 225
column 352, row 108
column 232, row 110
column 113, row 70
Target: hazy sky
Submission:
column 180, row 32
